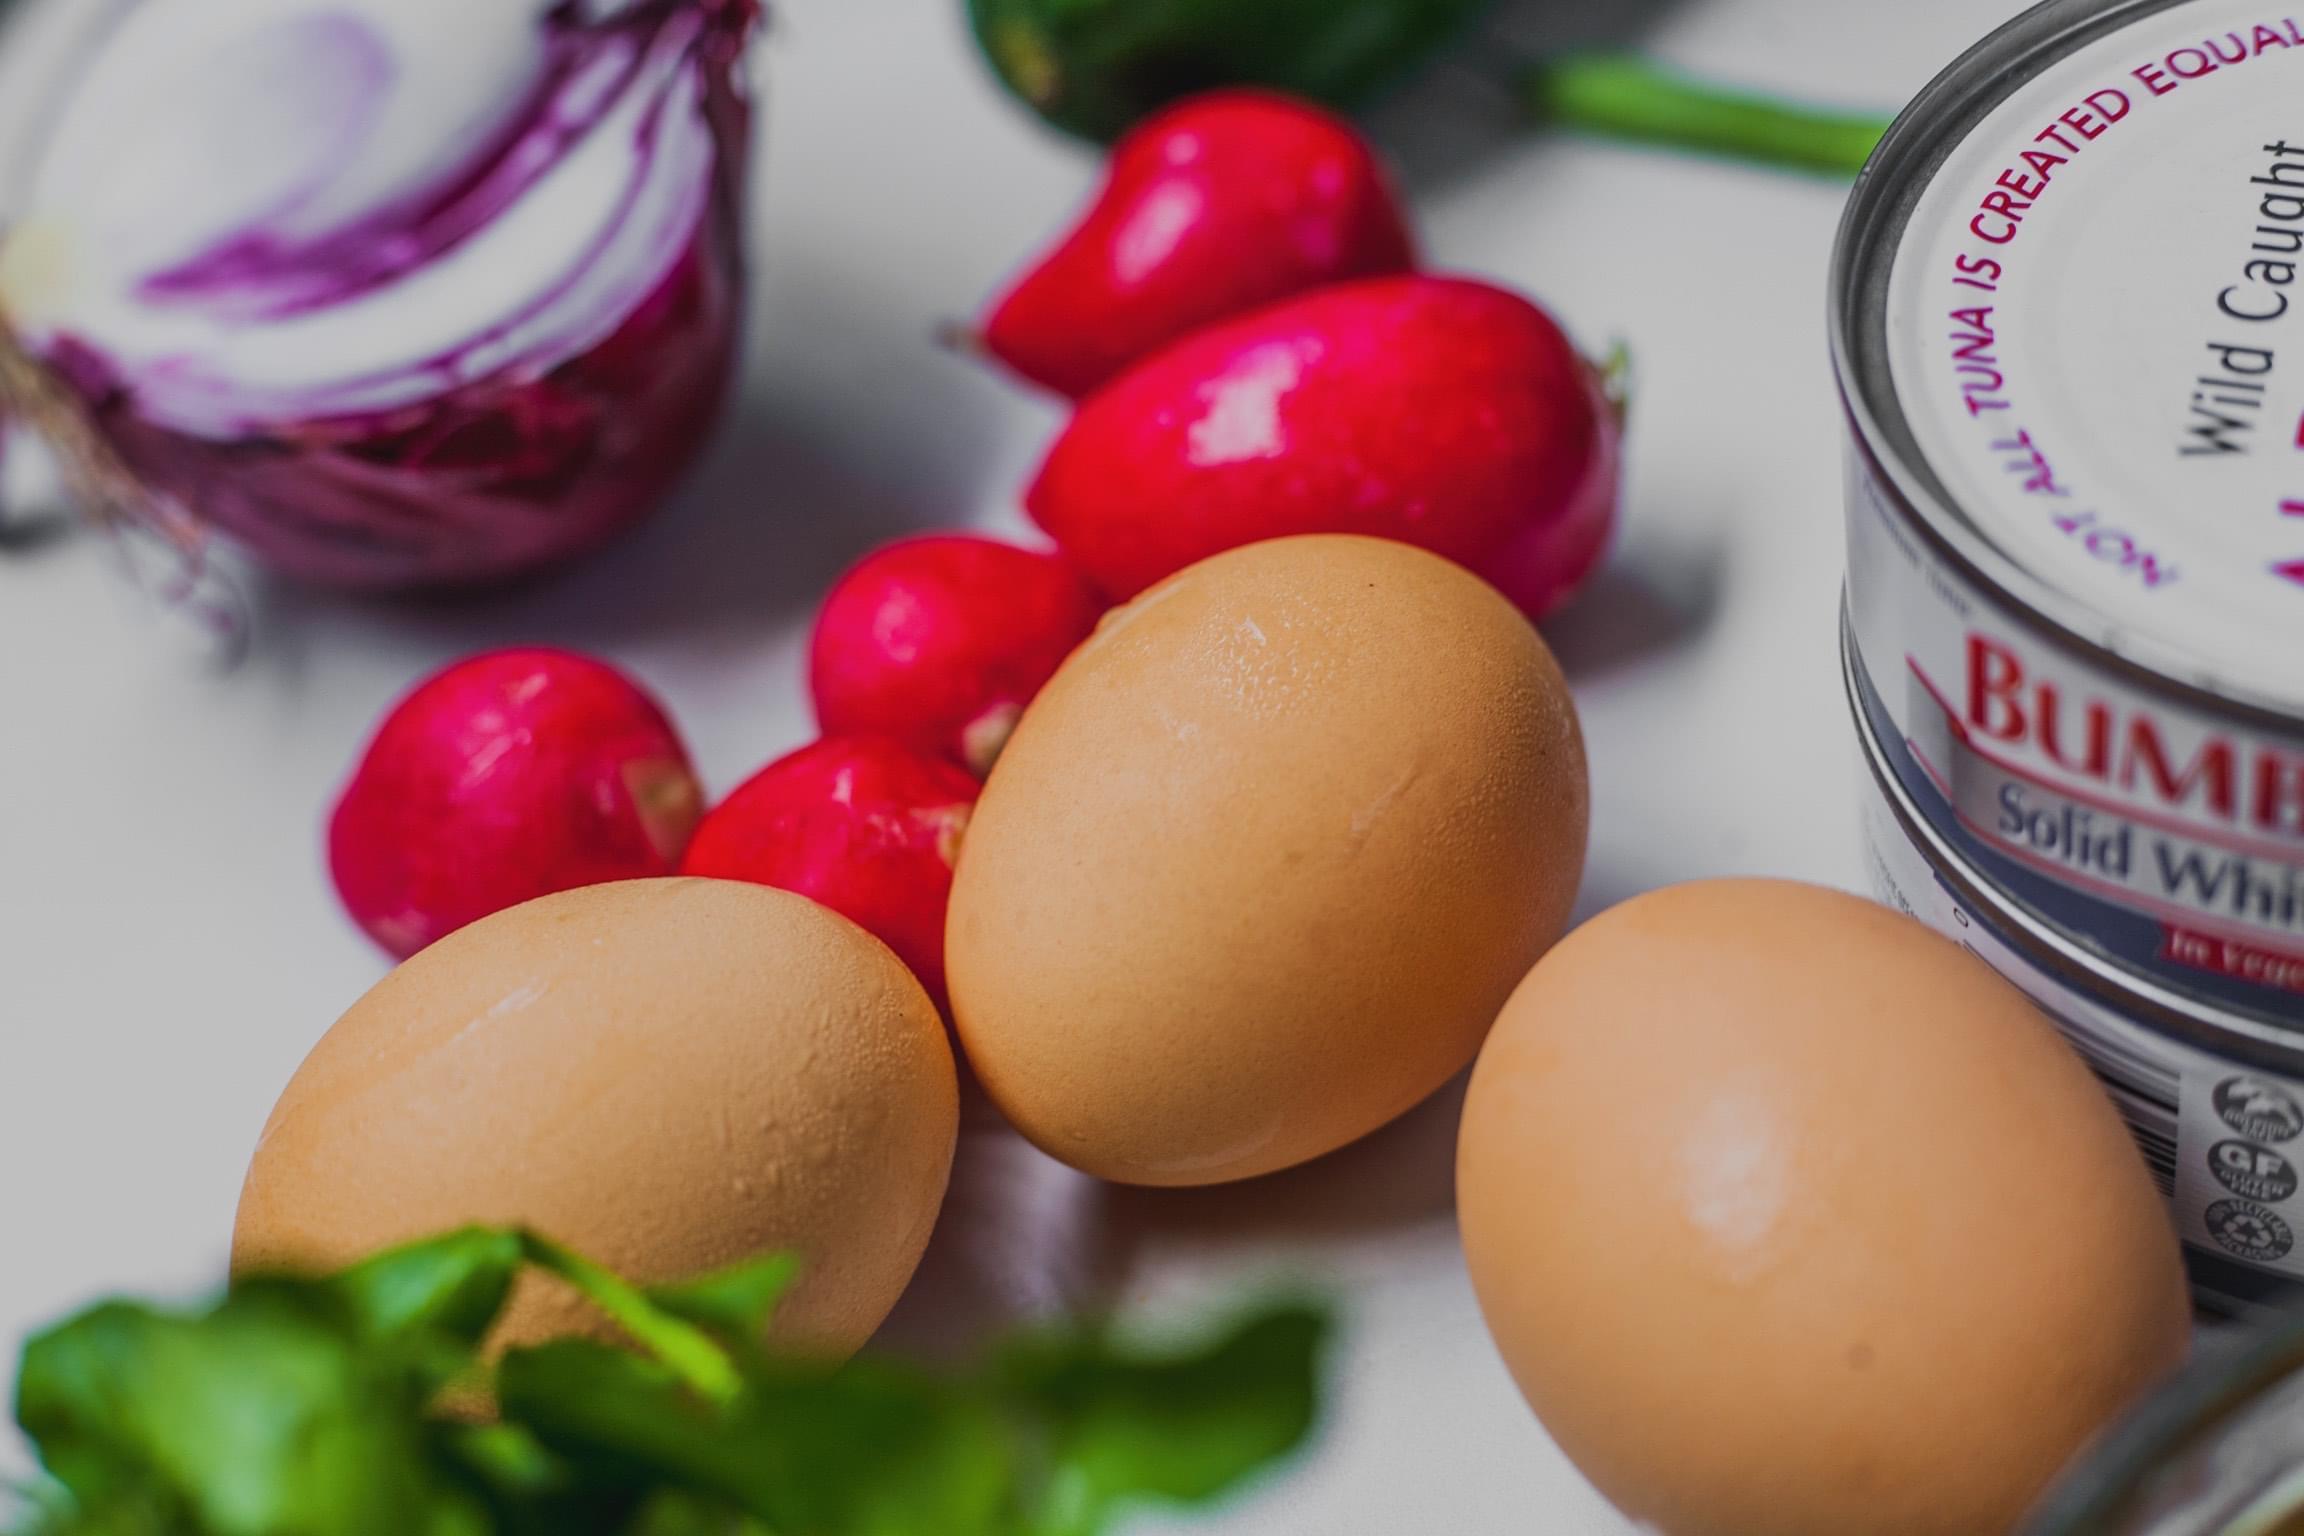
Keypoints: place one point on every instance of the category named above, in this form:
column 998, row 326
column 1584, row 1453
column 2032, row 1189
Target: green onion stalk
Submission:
column 1096, row 68
column 1620, row 96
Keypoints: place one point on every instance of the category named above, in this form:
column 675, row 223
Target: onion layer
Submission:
column 397, row 293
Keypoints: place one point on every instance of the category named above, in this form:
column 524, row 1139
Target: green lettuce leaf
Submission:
column 452, row 1287
column 265, row 1416
column 315, row 1407
column 1123, row 1427
column 735, row 1305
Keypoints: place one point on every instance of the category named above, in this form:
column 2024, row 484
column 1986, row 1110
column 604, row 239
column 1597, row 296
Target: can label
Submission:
column 2224, row 1140
column 2096, row 329
column 2168, row 839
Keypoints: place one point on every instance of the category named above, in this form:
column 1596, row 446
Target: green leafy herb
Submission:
column 314, row 1407
column 1183, row 1429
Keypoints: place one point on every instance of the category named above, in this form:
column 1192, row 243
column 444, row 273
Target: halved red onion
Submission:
column 396, row 293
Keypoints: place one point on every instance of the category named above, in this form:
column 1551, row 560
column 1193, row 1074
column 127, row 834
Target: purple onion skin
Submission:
column 492, row 481
column 482, row 485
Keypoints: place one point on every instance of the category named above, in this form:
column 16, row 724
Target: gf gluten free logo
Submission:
column 2252, row 1172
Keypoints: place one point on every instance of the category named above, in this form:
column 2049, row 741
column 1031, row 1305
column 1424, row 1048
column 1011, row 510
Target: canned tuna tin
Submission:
column 2215, row 1100
column 2069, row 324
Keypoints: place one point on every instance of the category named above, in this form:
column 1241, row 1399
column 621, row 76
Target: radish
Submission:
column 507, row 777
column 940, row 642
column 1215, row 206
column 863, row 825
column 1438, row 411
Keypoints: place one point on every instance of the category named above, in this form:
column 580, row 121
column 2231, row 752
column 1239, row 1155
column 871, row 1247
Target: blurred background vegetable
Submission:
column 1619, row 97
column 313, row 1407
column 1097, row 67
column 1094, row 67
column 397, row 293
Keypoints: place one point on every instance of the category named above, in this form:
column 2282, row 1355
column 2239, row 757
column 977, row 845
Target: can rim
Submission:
column 1872, row 228
column 2134, row 997
column 2174, row 1422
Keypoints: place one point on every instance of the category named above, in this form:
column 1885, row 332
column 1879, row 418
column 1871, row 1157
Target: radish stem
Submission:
column 1621, row 97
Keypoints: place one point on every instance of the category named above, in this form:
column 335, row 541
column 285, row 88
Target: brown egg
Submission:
column 670, row 1076
column 1793, row 1219
column 1263, row 861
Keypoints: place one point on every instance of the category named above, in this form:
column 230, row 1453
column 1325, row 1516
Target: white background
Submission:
column 169, row 946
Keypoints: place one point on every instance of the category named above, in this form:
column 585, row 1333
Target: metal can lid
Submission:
column 2071, row 323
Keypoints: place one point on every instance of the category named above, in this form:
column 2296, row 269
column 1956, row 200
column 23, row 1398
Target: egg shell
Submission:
column 1792, row 1219
column 1263, row 861
column 670, row 1076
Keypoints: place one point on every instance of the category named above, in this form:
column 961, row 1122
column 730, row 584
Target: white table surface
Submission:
column 169, row 946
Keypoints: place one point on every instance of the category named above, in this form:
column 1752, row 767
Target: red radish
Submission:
column 940, row 643
column 506, row 777
column 863, row 825
column 1221, row 204
column 1438, row 411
